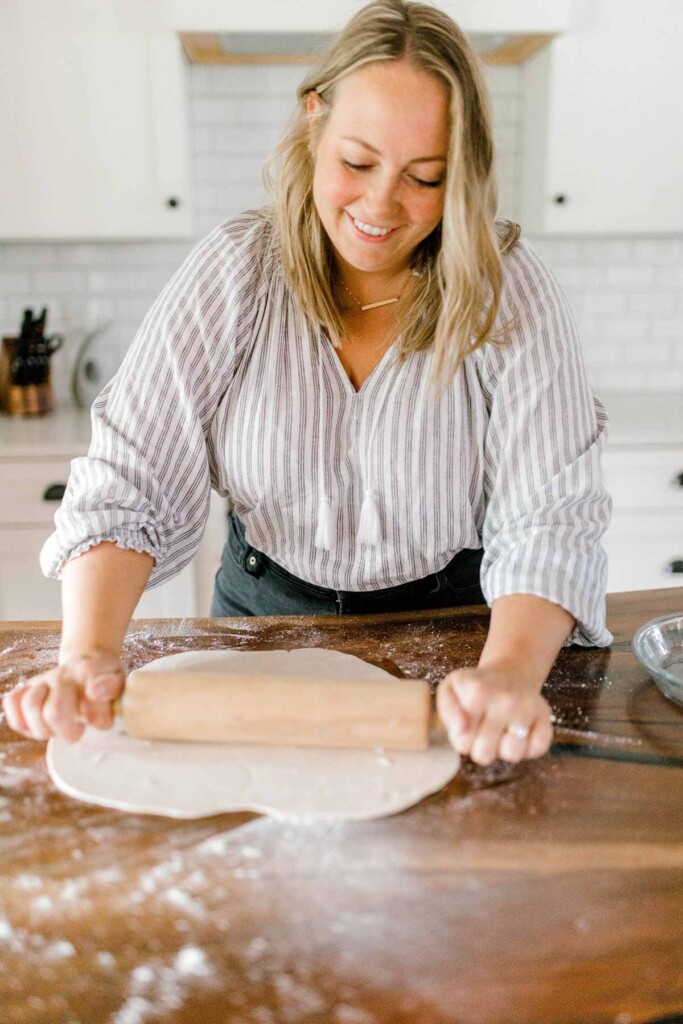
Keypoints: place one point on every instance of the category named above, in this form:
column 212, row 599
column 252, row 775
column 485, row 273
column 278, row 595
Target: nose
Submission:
column 382, row 197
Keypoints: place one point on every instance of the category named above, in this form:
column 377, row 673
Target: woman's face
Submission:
column 380, row 165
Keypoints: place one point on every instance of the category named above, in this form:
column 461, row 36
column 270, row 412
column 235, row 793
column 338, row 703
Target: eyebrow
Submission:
column 417, row 159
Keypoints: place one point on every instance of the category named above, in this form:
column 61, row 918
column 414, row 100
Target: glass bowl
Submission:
column 658, row 646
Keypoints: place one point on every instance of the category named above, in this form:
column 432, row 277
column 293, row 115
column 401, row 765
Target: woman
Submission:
column 385, row 379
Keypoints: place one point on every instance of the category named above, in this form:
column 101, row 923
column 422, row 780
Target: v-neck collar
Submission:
column 346, row 380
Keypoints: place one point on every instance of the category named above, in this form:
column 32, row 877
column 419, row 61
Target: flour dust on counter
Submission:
column 194, row 780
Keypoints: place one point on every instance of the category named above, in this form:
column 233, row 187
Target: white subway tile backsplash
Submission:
column 131, row 307
column 238, row 140
column 200, row 80
column 601, row 303
column 275, row 111
column 618, row 378
column 225, row 167
column 503, row 81
column 656, row 355
column 15, row 282
column 203, row 139
column 22, row 254
column 625, row 329
column 618, row 251
column 670, row 327
column 212, row 110
column 85, row 254
column 660, row 303
column 671, row 276
column 241, row 80
column 669, row 379
column 580, row 276
column 68, row 282
column 626, row 294
column 284, row 79
column 560, row 251
column 113, row 281
column 636, row 276
column 661, row 252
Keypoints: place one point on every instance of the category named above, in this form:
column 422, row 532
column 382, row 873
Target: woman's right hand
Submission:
column 62, row 700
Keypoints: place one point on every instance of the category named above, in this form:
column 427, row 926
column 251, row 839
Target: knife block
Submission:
column 22, row 400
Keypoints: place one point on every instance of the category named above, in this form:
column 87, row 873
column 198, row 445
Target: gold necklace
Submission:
column 369, row 305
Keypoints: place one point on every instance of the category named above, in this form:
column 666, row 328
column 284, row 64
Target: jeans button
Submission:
column 253, row 562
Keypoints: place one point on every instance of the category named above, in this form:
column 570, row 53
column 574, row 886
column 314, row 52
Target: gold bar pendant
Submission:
column 374, row 305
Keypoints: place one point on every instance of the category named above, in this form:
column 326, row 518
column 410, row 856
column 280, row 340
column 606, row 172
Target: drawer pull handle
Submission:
column 678, row 480
column 675, row 566
column 55, row 492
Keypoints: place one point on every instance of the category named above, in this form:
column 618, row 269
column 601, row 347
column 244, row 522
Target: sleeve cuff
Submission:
column 53, row 557
column 584, row 634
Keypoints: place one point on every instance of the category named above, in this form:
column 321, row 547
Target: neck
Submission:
column 369, row 289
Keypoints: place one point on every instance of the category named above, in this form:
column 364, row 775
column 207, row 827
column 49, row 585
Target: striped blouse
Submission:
column 227, row 386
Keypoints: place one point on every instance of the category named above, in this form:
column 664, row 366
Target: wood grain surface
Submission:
column 544, row 893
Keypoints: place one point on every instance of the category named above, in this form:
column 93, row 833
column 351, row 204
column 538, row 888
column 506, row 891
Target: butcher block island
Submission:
column 549, row 892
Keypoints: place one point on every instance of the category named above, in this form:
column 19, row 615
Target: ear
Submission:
column 314, row 102
column 314, row 105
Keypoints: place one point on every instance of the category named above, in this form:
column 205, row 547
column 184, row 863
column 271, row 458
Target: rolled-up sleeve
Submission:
column 546, row 505
column 145, row 483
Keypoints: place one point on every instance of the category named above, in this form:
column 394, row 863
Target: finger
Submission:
column 100, row 714
column 468, row 691
column 513, row 747
column 451, row 712
column 11, row 704
column 32, row 708
column 541, row 737
column 62, row 710
column 485, row 744
column 461, row 738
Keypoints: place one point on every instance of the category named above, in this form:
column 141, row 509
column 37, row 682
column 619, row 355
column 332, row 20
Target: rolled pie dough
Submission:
column 194, row 780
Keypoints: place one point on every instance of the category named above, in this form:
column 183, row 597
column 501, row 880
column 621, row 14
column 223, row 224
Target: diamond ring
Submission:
column 520, row 731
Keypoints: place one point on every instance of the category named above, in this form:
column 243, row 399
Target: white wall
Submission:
column 627, row 293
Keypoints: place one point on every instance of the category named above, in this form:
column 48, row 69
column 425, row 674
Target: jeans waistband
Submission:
column 458, row 583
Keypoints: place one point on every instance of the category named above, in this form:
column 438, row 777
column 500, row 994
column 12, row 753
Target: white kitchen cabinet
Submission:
column 644, row 542
column 601, row 153
column 93, row 127
column 35, row 457
column 303, row 16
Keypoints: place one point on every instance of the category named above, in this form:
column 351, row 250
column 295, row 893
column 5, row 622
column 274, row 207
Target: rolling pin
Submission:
column 306, row 711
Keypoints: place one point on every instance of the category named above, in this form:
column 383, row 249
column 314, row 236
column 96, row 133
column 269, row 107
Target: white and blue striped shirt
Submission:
column 227, row 386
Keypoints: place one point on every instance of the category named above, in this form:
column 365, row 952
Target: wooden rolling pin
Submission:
column 306, row 711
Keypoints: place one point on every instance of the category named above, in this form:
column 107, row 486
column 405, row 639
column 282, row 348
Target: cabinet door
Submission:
column 24, row 592
column 647, row 478
column 601, row 105
column 302, row 15
column 644, row 552
column 92, row 132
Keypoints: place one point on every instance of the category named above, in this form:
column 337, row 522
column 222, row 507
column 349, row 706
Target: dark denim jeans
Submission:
column 250, row 583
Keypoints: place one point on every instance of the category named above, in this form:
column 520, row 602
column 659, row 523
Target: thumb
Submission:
column 105, row 686
column 101, row 676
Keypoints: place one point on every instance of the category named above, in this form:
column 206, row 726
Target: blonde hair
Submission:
column 455, row 298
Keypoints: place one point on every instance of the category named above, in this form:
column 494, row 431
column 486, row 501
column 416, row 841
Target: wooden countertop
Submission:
column 548, row 892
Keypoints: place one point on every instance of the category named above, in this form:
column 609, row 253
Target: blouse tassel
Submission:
column 323, row 533
column 369, row 531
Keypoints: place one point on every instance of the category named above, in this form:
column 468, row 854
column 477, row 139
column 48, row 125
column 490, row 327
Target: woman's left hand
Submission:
column 489, row 714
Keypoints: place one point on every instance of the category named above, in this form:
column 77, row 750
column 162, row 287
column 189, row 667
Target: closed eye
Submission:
column 367, row 167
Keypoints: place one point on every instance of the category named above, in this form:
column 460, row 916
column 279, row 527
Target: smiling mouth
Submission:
column 369, row 230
